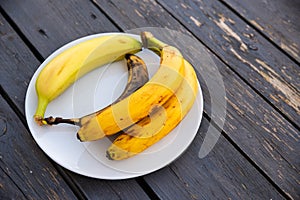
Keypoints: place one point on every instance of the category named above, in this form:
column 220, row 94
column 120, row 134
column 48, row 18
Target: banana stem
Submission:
column 58, row 120
column 150, row 42
column 40, row 111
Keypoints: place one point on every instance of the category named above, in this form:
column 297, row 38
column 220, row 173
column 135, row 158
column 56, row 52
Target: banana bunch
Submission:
column 148, row 109
column 160, row 120
column 76, row 61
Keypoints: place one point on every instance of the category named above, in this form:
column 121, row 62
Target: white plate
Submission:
column 92, row 92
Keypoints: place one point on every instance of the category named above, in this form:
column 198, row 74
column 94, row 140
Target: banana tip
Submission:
column 127, row 56
column 108, row 156
column 146, row 34
column 39, row 120
column 78, row 137
column 144, row 37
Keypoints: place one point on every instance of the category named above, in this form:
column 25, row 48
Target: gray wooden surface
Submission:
column 255, row 46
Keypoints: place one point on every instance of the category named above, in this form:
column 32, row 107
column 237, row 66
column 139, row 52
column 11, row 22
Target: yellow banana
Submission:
column 150, row 130
column 137, row 77
column 76, row 61
column 138, row 105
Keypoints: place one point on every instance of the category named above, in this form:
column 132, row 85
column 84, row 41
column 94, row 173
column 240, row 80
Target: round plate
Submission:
column 92, row 92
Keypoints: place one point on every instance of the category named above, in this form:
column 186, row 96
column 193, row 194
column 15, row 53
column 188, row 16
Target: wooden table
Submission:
column 256, row 47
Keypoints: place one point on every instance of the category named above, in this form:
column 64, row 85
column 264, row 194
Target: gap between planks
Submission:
column 226, row 136
column 257, row 29
column 59, row 169
column 21, row 35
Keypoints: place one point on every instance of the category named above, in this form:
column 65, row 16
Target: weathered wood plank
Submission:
column 223, row 174
column 255, row 59
column 267, row 138
column 254, row 130
column 18, row 58
column 66, row 21
column 147, row 14
column 8, row 189
column 117, row 189
column 32, row 174
column 277, row 19
column 17, row 64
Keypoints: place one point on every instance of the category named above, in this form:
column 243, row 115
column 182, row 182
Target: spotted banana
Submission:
column 162, row 120
column 152, row 129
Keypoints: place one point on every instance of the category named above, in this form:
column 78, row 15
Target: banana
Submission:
column 137, row 77
column 138, row 105
column 151, row 129
column 70, row 65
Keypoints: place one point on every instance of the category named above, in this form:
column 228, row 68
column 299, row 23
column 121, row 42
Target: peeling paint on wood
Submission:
column 195, row 21
column 277, row 19
column 256, row 24
column 138, row 13
column 292, row 97
column 294, row 50
column 221, row 23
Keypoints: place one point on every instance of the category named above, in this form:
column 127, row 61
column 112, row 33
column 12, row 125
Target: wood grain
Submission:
column 223, row 174
column 28, row 169
column 116, row 189
column 17, row 64
column 277, row 19
column 66, row 21
column 8, row 189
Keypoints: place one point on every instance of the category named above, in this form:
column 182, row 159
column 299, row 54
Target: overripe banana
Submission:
column 138, row 105
column 151, row 129
column 137, row 77
column 76, row 61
